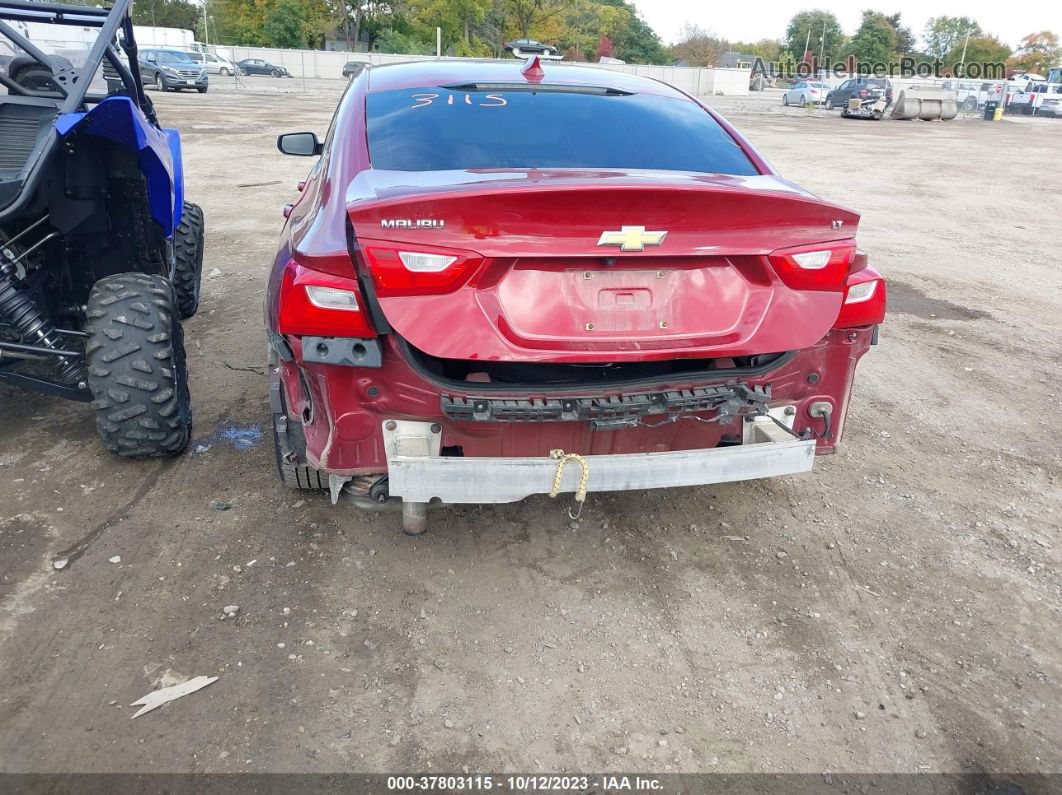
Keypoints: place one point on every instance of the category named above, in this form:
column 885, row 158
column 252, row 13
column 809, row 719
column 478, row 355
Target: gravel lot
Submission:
column 896, row 610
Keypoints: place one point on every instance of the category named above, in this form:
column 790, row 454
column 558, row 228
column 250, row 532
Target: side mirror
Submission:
column 302, row 144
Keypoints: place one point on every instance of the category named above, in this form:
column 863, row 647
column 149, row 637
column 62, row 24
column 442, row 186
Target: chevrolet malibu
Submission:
column 506, row 279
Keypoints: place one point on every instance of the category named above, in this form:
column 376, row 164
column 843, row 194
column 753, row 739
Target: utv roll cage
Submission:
column 29, row 143
column 71, row 82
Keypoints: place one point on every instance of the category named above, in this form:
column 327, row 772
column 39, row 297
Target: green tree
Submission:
column 905, row 39
column 768, row 49
column 942, row 34
column 633, row 40
column 284, row 25
column 458, row 19
column 823, row 30
column 874, row 42
column 981, row 50
column 1037, row 53
column 167, row 14
column 528, row 14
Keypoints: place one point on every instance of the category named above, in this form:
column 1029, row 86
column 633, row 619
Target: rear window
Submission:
column 438, row 129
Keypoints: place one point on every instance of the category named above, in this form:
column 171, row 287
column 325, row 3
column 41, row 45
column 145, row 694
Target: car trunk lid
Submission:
column 561, row 265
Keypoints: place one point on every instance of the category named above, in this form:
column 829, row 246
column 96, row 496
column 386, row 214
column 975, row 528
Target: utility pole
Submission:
column 438, row 42
column 962, row 61
column 206, row 25
column 822, row 49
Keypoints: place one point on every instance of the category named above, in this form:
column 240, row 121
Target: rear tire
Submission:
column 37, row 78
column 292, row 475
column 829, row 104
column 136, row 366
column 785, row 100
column 188, row 253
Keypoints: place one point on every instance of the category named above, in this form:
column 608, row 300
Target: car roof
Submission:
column 422, row 74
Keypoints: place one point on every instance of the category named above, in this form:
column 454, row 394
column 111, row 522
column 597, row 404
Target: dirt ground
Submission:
column 896, row 610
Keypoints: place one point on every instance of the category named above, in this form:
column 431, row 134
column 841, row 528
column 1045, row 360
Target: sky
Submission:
column 752, row 20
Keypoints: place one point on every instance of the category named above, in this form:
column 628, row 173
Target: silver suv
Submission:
column 172, row 70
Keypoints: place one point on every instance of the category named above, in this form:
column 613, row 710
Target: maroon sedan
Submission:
column 503, row 280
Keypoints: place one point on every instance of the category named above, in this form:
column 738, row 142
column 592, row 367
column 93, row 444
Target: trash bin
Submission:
column 990, row 110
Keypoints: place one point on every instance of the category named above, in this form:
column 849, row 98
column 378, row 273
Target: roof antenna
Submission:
column 533, row 70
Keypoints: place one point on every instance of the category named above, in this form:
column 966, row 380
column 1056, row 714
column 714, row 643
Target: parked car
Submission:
column 101, row 254
column 460, row 308
column 172, row 70
column 523, row 48
column 1051, row 106
column 859, row 87
column 214, row 64
column 352, row 69
column 806, row 92
column 256, row 66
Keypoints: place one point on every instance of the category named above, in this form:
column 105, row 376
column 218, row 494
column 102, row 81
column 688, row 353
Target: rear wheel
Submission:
column 136, row 366
column 289, row 445
column 785, row 99
column 37, row 78
column 188, row 253
column 829, row 104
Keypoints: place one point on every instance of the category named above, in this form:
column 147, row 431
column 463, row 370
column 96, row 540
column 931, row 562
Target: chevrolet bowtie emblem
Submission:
column 632, row 238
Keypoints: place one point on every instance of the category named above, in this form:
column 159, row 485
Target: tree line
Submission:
column 817, row 39
column 585, row 30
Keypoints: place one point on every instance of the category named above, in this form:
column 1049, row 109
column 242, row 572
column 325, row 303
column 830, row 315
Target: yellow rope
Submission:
column 562, row 458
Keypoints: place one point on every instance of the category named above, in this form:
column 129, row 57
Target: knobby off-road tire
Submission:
column 136, row 367
column 188, row 252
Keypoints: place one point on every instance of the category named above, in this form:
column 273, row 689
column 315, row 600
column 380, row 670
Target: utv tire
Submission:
column 188, row 252
column 37, row 78
column 136, row 368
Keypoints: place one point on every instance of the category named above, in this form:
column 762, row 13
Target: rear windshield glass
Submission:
column 438, row 129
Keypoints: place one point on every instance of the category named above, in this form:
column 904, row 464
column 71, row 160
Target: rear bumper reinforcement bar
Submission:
column 427, row 477
column 729, row 400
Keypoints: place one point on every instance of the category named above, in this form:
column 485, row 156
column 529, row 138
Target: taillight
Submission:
column 864, row 300
column 321, row 305
column 822, row 266
column 401, row 269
